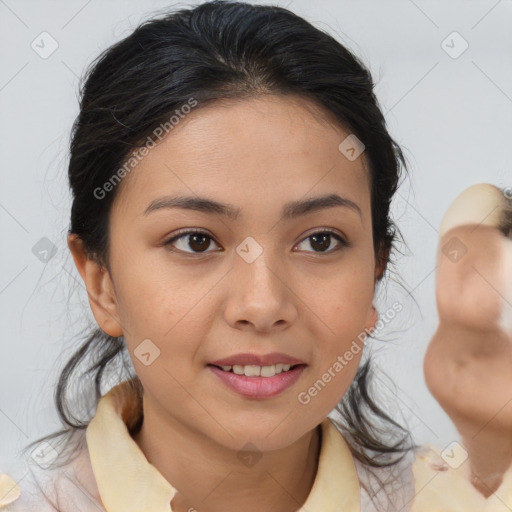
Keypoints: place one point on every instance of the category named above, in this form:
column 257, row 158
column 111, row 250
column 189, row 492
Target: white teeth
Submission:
column 268, row 371
column 239, row 370
column 252, row 370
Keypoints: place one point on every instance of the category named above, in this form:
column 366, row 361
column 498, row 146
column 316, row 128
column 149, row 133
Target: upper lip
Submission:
column 258, row 360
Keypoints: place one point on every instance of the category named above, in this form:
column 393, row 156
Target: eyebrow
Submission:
column 290, row 210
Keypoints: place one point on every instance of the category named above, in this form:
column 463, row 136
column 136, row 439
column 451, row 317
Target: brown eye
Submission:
column 322, row 240
column 192, row 242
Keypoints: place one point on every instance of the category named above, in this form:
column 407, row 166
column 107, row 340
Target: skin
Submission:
column 256, row 154
column 468, row 364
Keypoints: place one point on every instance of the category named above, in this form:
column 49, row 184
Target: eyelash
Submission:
column 188, row 232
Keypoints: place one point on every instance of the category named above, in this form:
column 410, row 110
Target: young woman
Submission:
column 232, row 176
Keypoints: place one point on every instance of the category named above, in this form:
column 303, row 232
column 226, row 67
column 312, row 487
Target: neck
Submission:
column 210, row 477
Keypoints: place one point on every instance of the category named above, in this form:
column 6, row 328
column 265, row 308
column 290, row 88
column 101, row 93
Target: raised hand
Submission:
column 468, row 364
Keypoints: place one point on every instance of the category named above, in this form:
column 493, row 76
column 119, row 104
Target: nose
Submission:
column 260, row 296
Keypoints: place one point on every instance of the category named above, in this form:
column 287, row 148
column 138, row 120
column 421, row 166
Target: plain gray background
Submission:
column 452, row 115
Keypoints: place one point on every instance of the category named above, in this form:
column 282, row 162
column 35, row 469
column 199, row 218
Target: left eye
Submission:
column 197, row 240
column 323, row 239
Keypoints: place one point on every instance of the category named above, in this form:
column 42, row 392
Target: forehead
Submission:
column 259, row 148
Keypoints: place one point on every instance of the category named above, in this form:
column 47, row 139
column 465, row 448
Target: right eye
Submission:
column 196, row 240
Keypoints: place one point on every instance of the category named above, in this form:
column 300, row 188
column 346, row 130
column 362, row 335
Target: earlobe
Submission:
column 372, row 318
column 99, row 286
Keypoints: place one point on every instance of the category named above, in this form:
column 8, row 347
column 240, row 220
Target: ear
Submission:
column 381, row 264
column 371, row 318
column 100, row 288
column 380, row 267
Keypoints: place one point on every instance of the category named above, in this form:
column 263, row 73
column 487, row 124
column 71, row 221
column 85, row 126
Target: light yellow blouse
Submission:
column 152, row 492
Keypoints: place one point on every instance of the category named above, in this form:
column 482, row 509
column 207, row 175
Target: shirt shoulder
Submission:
column 56, row 486
column 25, row 494
column 443, row 482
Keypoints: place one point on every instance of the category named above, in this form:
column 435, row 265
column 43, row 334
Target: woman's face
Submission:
column 258, row 283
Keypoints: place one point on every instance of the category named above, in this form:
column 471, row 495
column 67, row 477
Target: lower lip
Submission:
column 259, row 387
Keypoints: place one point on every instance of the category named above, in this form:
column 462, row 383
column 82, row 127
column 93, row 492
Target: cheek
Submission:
column 344, row 301
column 330, row 380
column 172, row 312
column 340, row 335
column 152, row 299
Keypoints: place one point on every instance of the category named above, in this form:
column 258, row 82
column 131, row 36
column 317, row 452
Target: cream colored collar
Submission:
column 127, row 482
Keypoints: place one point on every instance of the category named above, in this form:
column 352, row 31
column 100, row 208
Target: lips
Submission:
column 258, row 360
column 257, row 388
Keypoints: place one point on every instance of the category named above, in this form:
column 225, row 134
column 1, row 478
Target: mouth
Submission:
column 257, row 382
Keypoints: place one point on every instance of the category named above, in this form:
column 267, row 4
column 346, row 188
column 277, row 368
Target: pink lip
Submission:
column 259, row 387
column 258, row 360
